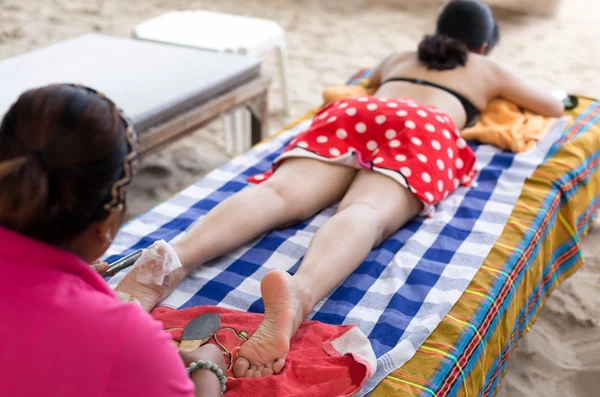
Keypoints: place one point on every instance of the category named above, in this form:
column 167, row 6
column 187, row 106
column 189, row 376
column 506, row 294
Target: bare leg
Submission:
column 299, row 189
column 374, row 208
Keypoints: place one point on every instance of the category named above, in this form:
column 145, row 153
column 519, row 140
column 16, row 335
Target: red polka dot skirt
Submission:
column 416, row 145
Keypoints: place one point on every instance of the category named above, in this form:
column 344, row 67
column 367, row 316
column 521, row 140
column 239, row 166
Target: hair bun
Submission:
column 24, row 193
column 440, row 52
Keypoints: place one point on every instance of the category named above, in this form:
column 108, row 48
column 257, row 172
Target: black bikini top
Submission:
column 471, row 110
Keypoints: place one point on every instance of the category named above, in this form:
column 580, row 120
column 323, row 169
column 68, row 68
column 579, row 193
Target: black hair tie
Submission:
column 42, row 156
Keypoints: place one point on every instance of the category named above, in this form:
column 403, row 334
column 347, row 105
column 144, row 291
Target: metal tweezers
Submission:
column 123, row 263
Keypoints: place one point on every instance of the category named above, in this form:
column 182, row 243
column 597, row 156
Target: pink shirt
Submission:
column 63, row 332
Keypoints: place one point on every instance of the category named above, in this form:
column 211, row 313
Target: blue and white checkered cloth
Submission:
column 402, row 290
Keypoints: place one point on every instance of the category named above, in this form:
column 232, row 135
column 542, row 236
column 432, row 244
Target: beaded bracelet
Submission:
column 214, row 368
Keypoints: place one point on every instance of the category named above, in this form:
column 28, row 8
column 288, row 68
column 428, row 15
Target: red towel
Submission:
column 324, row 360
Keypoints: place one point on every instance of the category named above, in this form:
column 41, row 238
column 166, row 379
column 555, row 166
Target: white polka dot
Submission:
column 302, row 145
column 440, row 118
column 378, row 160
column 436, row 145
column 390, row 134
column 343, row 105
column 440, row 186
column 260, row 177
column 422, row 113
column 461, row 143
column 341, row 133
column 422, row 158
column 383, row 100
column 430, row 127
column 416, row 141
column 456, row 183
column 400, row 158
column 380, row 119
column 402, row 113
column 447, row 134
column 351, row 111
column 406, row 171
column 459, row 164
column 334, row 152
column 375, row 151
column 426, row 177
column 447, row 119
column 363, row 99
column 323, row 115
column 331, row 119
column 360, row 128
column 392, row 105
column 372, row 106
column 440, row 164
column 371, row 145
column 322, row 139
column 446, row 194
column 457, row 132
column 395, row 143
column 429, row 196
column 450, row 153
column 450, row 173
column 410, row 124
column 413, row 105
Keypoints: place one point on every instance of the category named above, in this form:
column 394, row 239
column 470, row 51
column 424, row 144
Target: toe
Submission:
column 241, row 367
column 278, row 365
column 258, row 371
column 268, row 370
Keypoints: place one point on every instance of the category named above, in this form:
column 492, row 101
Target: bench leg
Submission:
column 229, row 127
column 284, row 75
column 259, row 110
column 242, row 130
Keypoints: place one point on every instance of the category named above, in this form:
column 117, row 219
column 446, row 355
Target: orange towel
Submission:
column 332, row 94
column 505, row 125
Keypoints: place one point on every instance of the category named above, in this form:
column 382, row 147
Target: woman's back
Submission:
column 475, row 81
column 450, row 70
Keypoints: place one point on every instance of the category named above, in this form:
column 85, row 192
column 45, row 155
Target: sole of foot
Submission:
column 286, row 302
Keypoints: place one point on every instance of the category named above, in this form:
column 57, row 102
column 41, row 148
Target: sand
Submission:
column 328, row 41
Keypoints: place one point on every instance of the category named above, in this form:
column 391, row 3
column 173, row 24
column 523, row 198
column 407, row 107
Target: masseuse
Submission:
column 67, row 155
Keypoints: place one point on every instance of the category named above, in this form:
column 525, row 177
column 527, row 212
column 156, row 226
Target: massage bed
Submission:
column 538, row 250
column 458, row 291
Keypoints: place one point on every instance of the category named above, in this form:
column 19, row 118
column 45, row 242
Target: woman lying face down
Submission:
column 67, row 155
column 385, row 158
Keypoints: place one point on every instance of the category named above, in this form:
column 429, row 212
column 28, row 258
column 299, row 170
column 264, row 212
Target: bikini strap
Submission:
column 471, row 110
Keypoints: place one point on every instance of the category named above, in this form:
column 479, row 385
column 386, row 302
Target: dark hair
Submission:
column 66, row 156
column 463, row 26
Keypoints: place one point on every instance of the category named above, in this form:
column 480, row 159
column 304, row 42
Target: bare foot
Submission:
column 287, row 303
column 149, row 295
